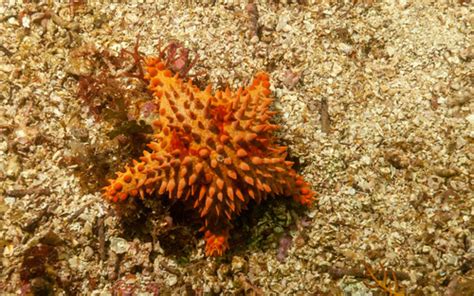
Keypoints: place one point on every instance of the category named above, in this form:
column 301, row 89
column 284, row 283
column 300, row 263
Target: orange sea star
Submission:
column 214, row 152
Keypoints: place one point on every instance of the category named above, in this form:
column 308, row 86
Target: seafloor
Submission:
column 375, row 102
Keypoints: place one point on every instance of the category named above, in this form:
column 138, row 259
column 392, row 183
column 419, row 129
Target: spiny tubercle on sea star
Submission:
column 214, row 152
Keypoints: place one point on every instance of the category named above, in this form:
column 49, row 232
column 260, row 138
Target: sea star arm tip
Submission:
column 216, row 244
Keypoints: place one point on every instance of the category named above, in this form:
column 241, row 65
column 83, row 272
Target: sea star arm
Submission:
column 216, row 243
column 143, row 177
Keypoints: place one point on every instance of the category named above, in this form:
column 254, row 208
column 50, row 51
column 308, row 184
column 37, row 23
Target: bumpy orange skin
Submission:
column 213, row 151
